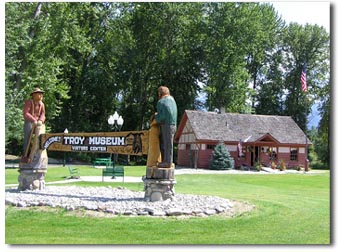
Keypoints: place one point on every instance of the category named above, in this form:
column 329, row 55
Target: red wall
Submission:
column 183, row 158
column 204, row 157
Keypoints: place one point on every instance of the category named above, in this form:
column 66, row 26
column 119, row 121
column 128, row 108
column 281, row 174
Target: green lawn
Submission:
column 290, row 209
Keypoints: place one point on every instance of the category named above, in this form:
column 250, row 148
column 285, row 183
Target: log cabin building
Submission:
column 249, row 139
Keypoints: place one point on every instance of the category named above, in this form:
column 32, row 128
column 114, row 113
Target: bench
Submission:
column 12, row 163
column 117, row 171
column 74, row 172
column 102, row 161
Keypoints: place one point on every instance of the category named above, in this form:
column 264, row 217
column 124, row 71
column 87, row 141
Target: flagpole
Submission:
column 306, row 160
column 305, row 90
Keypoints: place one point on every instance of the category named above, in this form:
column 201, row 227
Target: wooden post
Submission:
column 306, row 156
column 29, row 141
column 160, row 173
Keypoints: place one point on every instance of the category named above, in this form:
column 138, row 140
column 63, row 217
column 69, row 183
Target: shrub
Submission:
column 221, row 159
column 282, row 165
column 273, row 165
column 258, row 166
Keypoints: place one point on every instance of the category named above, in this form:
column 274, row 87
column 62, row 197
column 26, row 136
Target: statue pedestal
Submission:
column 160, row 173
column 31, row 179
column 157, row 189
column 32, row 173
column 159, row 183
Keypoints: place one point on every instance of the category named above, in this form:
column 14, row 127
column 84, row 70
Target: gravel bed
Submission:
column 118, row 201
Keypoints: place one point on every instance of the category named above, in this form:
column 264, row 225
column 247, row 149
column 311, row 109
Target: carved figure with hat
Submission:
column 34, row 115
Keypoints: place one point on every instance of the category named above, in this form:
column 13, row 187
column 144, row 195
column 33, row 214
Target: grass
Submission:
column 290, row 209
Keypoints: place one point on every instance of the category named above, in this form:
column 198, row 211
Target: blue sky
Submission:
column 303, row 12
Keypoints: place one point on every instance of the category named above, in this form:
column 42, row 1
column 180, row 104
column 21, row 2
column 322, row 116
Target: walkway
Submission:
column 127, row 179
column 180, row 171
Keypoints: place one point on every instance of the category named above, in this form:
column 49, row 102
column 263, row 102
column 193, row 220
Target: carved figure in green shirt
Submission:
column 166, row 117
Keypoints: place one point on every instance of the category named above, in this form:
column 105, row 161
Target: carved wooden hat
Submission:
column 37, row 90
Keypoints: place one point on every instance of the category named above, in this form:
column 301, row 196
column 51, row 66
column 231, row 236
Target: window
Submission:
column 210, row 146
column 294, row 153
column 272, row 152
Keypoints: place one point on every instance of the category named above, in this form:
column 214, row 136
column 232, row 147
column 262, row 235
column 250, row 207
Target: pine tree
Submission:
column 221, row 159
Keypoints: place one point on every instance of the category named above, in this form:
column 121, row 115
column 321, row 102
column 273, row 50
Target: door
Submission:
column 255, row 155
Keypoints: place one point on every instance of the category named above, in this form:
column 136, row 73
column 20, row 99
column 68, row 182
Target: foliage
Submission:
column 282, row 165
column 94, row 58
column 167, row 52
column 323, row 141
column 30, row 62
column 273, row 165
column 258, row 166
column 225, row 53
column 221, row 159
column 304, row 45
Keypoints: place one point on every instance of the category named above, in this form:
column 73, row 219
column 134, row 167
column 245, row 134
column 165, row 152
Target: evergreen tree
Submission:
column 221, row 159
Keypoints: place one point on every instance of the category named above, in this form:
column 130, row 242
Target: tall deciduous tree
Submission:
column 167, row 51
column 266, row 27
column 30, row 62
column 229, row 34
column 308, row 45
column 92, row 40
column 322, row 144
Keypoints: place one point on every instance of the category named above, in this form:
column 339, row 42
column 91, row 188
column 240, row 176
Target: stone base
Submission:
column 31, row 179
column 32, row 174
column 157, row 189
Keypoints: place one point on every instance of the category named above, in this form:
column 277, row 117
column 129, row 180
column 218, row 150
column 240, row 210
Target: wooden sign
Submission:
column 128, row 142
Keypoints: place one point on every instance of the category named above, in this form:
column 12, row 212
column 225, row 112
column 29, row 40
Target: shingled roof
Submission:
column 247, row 127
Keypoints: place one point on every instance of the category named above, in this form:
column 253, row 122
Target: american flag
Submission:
column 239, row 149
column 304, row 79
